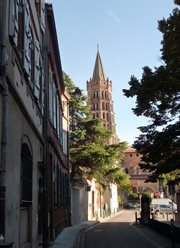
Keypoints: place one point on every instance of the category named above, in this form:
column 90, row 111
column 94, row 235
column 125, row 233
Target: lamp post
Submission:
column 76, row 94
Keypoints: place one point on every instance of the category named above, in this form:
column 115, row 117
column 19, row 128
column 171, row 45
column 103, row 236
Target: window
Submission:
column 58, row 117
column 107, row 106
column 130, row 155
column 13, row 20
column 36, row 69
column 137, row 155
column 103, row 105
column 50, row 96
column 42, row 90
column 26, row 175
column 42, row 18
column 65, row 137
column 27, row 40
column 54, row 105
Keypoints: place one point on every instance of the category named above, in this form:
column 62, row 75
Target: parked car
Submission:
column 136, row 204
column 163, row 208
column 129, row 206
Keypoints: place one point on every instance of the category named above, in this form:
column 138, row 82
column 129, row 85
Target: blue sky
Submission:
column 128, row 40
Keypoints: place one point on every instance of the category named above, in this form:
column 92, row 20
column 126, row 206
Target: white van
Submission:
column 163, row 201
column 164, row 204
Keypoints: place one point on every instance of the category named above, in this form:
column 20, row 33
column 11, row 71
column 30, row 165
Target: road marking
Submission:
column 147, row 237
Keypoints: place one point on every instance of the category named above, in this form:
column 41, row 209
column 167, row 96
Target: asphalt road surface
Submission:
column 120, row 232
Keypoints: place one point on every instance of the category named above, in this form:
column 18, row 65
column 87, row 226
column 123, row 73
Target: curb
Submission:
column 80, row 238
column 81, row 232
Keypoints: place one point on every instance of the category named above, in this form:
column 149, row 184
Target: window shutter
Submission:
column 36, row 69
column 54, row 105
column 42, row 19
column 42, row 90
column 13, row 20
column 27, row 39
column 50, row 96
column 65, row 139
column 58, row 118
column 60, row 126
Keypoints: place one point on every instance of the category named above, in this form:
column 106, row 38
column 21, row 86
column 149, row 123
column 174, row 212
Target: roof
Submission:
column 98, row 73
column 130, row 149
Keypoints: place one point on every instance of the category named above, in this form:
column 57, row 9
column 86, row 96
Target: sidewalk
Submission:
column 70, row 236
column 167, row 219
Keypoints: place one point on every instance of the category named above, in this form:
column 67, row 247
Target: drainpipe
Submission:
column 4, row 119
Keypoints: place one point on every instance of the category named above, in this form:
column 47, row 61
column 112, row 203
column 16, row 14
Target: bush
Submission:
column 119, row 199
column 133, row 196
column 146, row 194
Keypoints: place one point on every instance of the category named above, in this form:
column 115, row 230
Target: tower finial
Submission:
column 98, row 44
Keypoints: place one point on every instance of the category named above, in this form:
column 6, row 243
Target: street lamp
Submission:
column 76, row 94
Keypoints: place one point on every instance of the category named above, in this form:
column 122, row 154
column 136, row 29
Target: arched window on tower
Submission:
column 94, row 94
column 94, row 106
column 103, row 106
column 107, row 106
column 97, row 115
column 105, row 94
column 97, row 106
column 103, row 115
column 102, row 94
column 107, row 117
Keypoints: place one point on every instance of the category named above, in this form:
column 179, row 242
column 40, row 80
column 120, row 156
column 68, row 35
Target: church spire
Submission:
column 98, row 73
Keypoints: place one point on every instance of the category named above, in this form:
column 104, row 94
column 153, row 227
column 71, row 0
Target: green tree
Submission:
column 89, row 154
column 146, row 194
column 118, row 176
column 133, row 196
column 158, row 98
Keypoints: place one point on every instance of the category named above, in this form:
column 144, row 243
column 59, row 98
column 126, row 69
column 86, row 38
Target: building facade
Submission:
column 34, row 164
column 137, row 176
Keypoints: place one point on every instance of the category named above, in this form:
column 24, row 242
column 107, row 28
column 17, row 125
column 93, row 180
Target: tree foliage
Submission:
column 158, row 98
column 133, row 196
column 89, row 154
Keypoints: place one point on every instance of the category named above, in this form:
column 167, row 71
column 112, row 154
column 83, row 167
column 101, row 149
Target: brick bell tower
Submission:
column 99, row 90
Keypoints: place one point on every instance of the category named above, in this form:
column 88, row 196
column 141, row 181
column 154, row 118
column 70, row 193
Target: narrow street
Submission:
column 119, row 231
